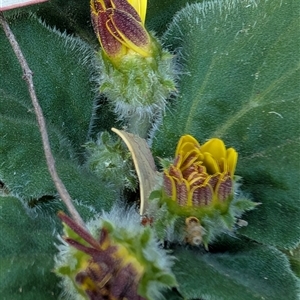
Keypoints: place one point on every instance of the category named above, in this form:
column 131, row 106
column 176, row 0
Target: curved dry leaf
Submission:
column 143, row 162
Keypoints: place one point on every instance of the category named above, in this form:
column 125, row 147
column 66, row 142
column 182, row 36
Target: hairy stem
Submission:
column 139, row 126
column 28, row 77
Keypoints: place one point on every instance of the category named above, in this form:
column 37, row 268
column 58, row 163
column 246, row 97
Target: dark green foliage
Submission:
column 26, row 253
column 24, row 170
column 235, row 269
column 68, row 15
column 294, row 258
column 161, row 12
column 62, row 67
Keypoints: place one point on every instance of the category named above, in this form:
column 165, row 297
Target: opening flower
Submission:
column 200, row 175
column 199, row 198
column 118, row 260
column 119, row 26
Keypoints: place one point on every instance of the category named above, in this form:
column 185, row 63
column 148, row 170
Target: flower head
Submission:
column 117, row 260
column 200, row 175
column 119, row 26
column 200, row 197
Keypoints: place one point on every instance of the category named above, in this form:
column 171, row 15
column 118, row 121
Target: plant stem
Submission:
column 27, row 76
column 139, row 126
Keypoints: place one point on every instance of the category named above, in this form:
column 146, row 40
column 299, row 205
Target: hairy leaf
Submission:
column 62, row 67
column 161, row 12
column 24, row 172
column 243, row 270
column 27, row 253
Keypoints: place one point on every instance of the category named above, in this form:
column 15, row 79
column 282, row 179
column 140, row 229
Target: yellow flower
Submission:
column 141, row 7
column 200, row 175
column 199, row 188
column 119, row 26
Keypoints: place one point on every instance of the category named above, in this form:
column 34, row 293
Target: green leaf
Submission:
column 23, row 168
column 62, row 68
column 161, row 12
column 70, row 15
column 240, row 82
column 27, row 253
column 243, row 270
column 24, row 172
column 294, row 258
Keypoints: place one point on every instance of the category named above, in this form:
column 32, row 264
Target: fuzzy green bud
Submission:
column 137, row 88
column 111, row 161
column 114, row 258
column 136, row 74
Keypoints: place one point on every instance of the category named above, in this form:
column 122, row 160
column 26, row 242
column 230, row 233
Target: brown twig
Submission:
column 27, row 75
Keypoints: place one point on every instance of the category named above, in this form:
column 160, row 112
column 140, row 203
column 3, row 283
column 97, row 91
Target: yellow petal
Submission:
column 210, row 163
column 186, row 143
column 215, row 147
column 187, row 148
column 196, row 179
column 141, row 7
column 190, row 158
column 232, row 157
column 223, row 165
column 178, row 161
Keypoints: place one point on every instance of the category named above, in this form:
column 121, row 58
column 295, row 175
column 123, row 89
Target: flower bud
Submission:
column 119, row 28
column 111, row 161
column 135, row 73
column 114, row 258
